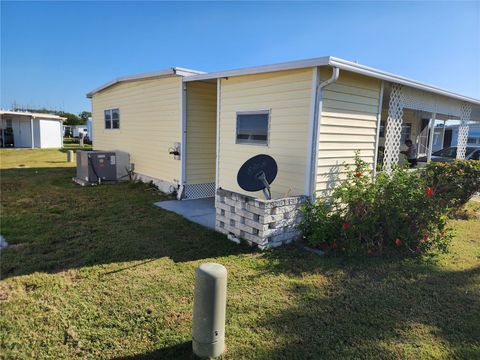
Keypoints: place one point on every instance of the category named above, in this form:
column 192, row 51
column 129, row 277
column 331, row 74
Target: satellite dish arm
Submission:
column 266, row 190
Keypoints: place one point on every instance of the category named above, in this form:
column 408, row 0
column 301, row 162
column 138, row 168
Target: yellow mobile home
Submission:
column 142, row 115
column 309, row 115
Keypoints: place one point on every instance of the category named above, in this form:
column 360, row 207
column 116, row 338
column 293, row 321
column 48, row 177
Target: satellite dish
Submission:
column 257, row 174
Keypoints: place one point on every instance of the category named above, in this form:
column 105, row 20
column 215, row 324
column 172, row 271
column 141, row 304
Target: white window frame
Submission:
column 253, row 112
column 111, row 119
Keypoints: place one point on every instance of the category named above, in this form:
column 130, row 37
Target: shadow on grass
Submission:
column 53, row 224
column 181, row 351
column 374, row 308
column 328, row 307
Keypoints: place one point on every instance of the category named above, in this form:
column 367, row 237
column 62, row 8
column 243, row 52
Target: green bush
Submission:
column 456, row 182
column 404, row 211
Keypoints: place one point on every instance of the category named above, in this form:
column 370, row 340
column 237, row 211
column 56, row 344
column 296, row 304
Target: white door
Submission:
column 23, row 136
column 423, row 137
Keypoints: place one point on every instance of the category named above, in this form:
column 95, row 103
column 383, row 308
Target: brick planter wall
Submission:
column 265, row 223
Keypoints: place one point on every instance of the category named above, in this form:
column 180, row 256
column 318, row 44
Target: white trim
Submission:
column 186, row 72
column 217, row 158
column 146, row 76
column 183, row 132
column 377, row 136
column 310, row 152
column 341, row 64
column 31, row 132
column 61, row 132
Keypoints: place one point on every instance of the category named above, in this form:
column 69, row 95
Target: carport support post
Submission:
column 430, row 137
column 443, row 133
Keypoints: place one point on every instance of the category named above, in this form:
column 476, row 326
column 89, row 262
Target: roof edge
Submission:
column 173, row 71
column 290, row 65
column 341, row 64
column 33, row 115
column 383, row 75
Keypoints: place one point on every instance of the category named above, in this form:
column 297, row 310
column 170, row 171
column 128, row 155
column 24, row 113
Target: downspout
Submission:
column 316, row 128
column 183, row 138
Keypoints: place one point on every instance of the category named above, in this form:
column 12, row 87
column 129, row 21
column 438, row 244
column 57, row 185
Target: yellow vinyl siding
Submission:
column 201, row 123
column 150, row 122
column 288, row 95
column 348, row 123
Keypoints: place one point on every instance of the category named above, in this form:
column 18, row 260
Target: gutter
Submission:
column 316, row 128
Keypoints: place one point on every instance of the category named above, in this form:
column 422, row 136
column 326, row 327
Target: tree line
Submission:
column 72, row 119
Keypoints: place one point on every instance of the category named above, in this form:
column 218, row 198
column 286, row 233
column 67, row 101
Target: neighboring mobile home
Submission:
column 310, row 115
column 31, row 130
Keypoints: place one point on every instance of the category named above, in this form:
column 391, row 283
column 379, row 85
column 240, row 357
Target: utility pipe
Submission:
column 316, row 127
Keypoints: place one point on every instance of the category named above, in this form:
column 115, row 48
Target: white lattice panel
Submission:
column 199, row 191
column 393, row 131
column 463, row 131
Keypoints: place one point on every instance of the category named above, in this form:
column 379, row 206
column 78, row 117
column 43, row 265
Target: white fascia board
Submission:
column 262, row 69
column 383, row 75
column 187, row 72
column 145, row 76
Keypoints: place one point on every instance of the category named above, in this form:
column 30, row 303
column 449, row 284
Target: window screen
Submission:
column 115, row 119
column 108, row 119
column 252, row 127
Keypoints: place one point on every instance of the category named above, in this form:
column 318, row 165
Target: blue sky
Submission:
column 53, row 53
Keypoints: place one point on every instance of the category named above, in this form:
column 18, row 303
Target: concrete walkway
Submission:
column 200, row 211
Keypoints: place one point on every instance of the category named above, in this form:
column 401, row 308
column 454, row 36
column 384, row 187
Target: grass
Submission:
column 99, row 272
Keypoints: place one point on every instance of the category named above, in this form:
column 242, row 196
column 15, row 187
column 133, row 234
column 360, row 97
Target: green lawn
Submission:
column 99, row 272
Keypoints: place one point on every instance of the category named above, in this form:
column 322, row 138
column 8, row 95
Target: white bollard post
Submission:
column 69, row 155
column 209, row 306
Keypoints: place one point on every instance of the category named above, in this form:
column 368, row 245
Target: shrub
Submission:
column 456, row 182
column 404, row 211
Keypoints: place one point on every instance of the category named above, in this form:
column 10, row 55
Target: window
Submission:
column 112, row 119
column 472, row 140
column 115, row 119
column 252, row 127
column 475, row 155
column 406, row 131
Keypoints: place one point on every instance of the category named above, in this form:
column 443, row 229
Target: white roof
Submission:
column 33, row 115
column 151, row 75
column 334, row 62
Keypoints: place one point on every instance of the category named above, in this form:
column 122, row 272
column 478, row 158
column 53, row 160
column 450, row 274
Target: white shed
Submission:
column 30, row 130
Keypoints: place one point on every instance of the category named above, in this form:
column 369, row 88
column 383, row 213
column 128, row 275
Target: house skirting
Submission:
column 264, row 223
column 164, row 186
